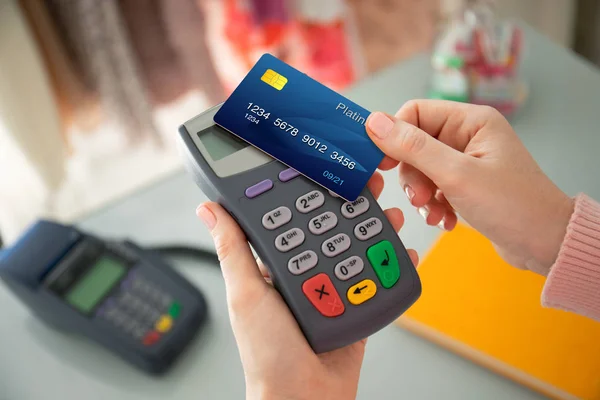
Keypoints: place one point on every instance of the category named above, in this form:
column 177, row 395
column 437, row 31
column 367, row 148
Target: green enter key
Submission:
column 385, row 263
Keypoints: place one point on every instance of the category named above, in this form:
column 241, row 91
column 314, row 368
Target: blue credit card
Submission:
column 303, row 124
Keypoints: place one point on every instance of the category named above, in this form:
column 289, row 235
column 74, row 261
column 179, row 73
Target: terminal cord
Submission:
column 187, row 251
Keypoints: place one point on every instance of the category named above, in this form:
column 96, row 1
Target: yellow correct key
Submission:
column 274, row 79
column 164, row 324
column 361, row 292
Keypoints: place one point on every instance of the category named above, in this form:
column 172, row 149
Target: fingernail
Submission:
column 424, row 211
column 442, row 224
column 410, row 193
column 207, row 216
column 380, row 124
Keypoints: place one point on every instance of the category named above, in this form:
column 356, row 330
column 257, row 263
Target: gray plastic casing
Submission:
column 323, row 333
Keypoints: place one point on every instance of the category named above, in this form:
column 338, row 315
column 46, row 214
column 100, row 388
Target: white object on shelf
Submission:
column 553, row 18
column 321, row 11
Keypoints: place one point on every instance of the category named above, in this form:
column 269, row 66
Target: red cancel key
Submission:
column 321, row 293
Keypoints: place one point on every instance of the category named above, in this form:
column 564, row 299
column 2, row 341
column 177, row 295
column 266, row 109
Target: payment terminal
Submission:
column 340, row 266
column 123, row 297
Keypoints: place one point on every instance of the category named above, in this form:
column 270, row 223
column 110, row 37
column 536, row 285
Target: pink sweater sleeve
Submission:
column 573, row 283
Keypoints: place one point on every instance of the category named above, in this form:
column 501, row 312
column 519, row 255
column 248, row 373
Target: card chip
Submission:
column 274, row 79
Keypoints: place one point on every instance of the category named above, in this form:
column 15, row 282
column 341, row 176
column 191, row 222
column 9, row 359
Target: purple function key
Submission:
column 259, row 188
column 288, row 174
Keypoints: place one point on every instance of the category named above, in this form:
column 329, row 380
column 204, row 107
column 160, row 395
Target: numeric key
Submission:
column 310, row 201
column 289, row 240
column 322, row 223
column 276, row 218
column 354, row 209
column 349, row 268
column 303, row 262
column 368, row 228
column 336, row 245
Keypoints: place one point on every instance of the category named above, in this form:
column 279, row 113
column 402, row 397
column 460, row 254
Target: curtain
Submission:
column 32, row 150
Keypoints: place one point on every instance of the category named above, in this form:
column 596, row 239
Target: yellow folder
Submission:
column 475, row 304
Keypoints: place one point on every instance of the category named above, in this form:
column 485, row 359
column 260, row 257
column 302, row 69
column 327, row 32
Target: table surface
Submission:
column 559, row 125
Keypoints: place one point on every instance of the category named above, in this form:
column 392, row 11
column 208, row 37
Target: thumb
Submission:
column 238, row 265
column 405, row 142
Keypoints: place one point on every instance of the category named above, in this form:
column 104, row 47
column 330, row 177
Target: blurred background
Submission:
column 92, row 92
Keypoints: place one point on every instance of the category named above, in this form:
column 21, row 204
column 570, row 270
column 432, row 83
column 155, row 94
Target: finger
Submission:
column 387, row 163
column 414, row 256
column 432, row 212
column 405, row 142
column 441, row 198
column 418, row 188
column 449, row 220
column 453, row 123
column 238, row 266
column 396, row 218
column 263, row 269
column 375, row 184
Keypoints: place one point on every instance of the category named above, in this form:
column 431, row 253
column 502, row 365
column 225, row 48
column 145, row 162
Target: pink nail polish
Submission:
column 424, row 211
column 442, row 224
column 410, row 193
